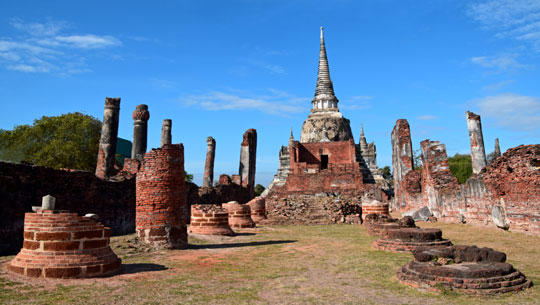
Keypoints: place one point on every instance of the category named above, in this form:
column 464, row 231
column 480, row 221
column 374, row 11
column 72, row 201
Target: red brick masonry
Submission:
column 59, row 244
column 210, row 219
column 239, row 215
column 466, row 269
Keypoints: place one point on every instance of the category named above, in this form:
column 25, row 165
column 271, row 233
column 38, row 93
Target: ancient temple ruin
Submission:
column 324, row 162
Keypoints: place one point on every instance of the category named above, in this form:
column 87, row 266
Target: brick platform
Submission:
column 239, row 215
column 409, row 239
column 59, row 244
column 258, row 209
column 210, row 219
column 465, row 269
column 161, row 204
column 377, row 223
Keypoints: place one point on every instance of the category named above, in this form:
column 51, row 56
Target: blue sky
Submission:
column 217, row 68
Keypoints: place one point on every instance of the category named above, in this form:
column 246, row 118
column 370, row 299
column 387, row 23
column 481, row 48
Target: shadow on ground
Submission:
column 237, row 245
column 141, row 267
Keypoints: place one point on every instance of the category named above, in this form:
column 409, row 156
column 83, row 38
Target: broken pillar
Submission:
column 109, row 136
column 160, row 198
column 140, row 131
column 497, row 151
column 208, row 179
column 402, row 157
column 166, row 137
column 478, row 153
column 248, row 153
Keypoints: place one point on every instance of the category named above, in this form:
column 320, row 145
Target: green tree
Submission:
column 461, row 167
column 259, row 189
column 66, row 141
column 417, row 159
column 188, row 177
column 387, row 172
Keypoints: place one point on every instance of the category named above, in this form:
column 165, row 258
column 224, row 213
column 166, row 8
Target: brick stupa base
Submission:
column 409, row 239
column 465, row 269
column 59, row 244
column 239, row 215
column 210, row 219
column 377, row 223
column 258, row 209
column 375, row 207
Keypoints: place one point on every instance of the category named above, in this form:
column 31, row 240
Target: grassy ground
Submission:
column 273, row 265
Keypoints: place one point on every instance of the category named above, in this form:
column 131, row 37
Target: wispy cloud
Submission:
column 499, row 63
column 270, row 67
column 427, row 117
column 358, row 102
column 516, row 19
column 44, row 47
column 511, row 110
column 275, row 103
column 498, row 85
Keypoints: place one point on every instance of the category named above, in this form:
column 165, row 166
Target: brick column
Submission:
column 478, row 153
column 166, row 137
column 402, row 158
column 140, row 131
column 208, row 179
column 109, row 136
column 161, row 203
column 248, row 158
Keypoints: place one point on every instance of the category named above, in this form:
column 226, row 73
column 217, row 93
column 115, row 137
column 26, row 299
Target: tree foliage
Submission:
column 387, row 172
column 188, row 177
column 259, row 189
column 461, row 167
column 66, row 141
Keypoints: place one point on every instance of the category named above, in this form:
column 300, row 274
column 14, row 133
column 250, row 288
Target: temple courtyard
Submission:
column 325, row 264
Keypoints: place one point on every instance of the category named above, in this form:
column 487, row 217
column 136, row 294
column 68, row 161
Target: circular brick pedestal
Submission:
column 375, row 207
column 258, row 209
column 239, row 215
column 408, row 239
column 58, row 244
column 466, row 269
column 209, row 219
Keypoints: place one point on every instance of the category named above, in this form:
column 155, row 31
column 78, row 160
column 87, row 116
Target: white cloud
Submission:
column 517, row 19
column 89, row 41
column 511, row 110
column 498, row 85
column 427, row 117
column 48, row 49
column 500, row 62
column 274, row 104
column 359, row 102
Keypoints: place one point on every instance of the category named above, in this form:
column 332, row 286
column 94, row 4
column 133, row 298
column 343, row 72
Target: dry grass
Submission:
column 269, row 265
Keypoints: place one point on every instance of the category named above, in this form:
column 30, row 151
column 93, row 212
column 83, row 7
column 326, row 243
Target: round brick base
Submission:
column 58, row 244
column 258, row 209
column 239, row 215
column 209, row 219
column 409, row 239
column 465, row 269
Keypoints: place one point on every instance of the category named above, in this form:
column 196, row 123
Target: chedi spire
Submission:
column 324, row 99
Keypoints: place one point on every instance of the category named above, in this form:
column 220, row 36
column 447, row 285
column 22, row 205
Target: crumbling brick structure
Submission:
column 465, row 269
column 109, row 137
column 476, row 137
column 504, row 193
column 402, row 159
column 258, row 209
column 140, row 131
column 408, row 239
column 161, row 203
column 248, row 158
column 210, row 219
column 166, row 136
column 375, row 207
column 59, row 244
column 77, row 191
column 239, row 215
